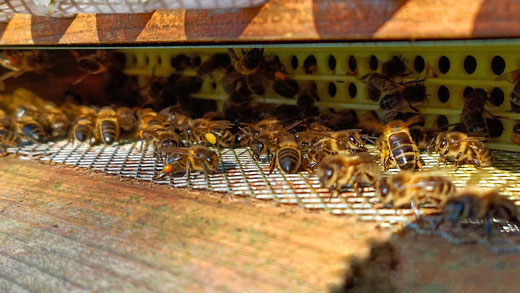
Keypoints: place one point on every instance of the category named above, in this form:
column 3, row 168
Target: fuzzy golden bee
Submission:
column 197, row 158
column 462, row 148
column 407, row 189
column 288, row 156
column 345, row 140
column 355, row 170
column 126, row 118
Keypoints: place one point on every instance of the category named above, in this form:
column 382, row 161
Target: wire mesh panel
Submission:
column 241, row 175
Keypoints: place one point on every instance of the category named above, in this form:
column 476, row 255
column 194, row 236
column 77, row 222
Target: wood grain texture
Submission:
column 67, row 230
column 282, row 21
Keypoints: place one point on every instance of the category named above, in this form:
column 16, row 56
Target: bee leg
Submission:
column 2, row 152
column 272, row 165
column 476, row 162
column 457, row 160
column 416, row 210
column 333, row 191
column 487, row 225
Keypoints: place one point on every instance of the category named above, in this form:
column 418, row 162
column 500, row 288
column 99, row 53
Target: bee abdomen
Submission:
column 109, row 131
column 289, row 160
column 83, row 132
column 485, row 158
column 402, row 149
column 8, row 138
column 34, row 131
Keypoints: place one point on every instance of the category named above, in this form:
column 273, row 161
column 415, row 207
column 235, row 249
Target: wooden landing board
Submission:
column 280, row 21
column 65, row 230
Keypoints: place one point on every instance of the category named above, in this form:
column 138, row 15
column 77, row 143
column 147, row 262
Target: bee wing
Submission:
column 222, row 124
column 292, row 125
column 475, row 139
column 177, row 150
column 512, row 76
column 389, row 115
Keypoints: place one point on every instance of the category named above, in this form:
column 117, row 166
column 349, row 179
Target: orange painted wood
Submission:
column 280, row 20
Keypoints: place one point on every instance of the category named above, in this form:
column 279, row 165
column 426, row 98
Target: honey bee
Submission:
column 216, row 132
column 187, row 159
column 240, row 95
column 463, row 148
column 288, row 156
column 472, row 112
column 22, row 61
column 395, row 143
column 513, row 77
column 395, row 67
column 126, row 118
column 5, row 120
column 312, row 134
column 91, row 62
column 249, row 62
column 31, row 128
column 515, row 138
column 218, row 61
column 379, row 84
column 477, row 205
column 84, row 125
column 162, row 139
column 107, row 126
column 336, row 142
column 8, row 138
column 307, row 94
column 407, row 95
column 403, row 188
column 355, row 170
column 54, row 120
column 149, row 118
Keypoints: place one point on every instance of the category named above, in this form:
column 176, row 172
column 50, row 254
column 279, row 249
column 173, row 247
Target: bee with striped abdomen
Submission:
column 83, row 128
column 107, row 127
column 402, row 188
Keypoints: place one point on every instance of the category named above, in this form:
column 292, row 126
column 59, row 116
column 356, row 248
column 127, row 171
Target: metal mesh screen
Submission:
column 242, row 175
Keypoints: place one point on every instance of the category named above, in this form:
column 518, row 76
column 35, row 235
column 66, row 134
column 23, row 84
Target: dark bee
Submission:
column 31, row 128
column 249, row 62
column 481, row 206
column 394, row 102
column 394, row 67
column 472, row 113
column 379, row 84
column 218, row 61
column 287, row 88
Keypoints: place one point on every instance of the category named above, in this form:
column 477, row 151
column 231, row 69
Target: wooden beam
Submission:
column 281, row 21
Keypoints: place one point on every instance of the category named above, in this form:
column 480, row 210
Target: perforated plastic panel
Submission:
column 445, row 65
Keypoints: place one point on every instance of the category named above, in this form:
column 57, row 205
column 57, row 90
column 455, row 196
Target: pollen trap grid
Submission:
column 447, row 74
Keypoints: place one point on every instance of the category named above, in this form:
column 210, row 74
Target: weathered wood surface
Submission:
column 64, row 230
column 279, row 20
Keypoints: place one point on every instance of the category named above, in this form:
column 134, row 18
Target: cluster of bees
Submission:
column 328, row 143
